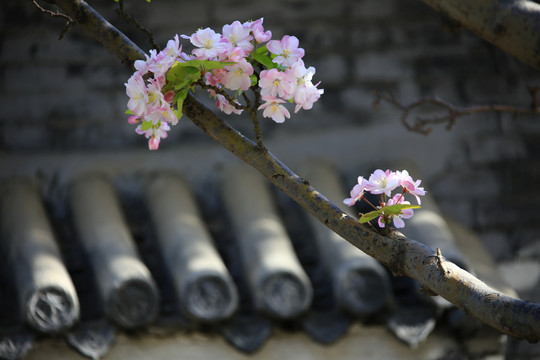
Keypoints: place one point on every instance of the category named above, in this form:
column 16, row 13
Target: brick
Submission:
column 460, row 210
column 373, row 9
column 331, row 69
column 497, row 243
column 379, row 66
column 513, row 272
column 357, row 98
column 491, row 147
column 469, row 183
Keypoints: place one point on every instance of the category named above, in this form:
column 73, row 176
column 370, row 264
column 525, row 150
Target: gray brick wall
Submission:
column 68, row 95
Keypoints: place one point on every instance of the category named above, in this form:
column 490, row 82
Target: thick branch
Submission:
column 402, row 256
column 512, row 25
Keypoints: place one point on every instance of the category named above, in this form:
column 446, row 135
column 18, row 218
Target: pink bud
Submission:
column 169, row 96
column 134, row 119
column 153, row 143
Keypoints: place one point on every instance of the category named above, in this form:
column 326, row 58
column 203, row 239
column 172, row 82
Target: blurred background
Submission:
column 63, row 108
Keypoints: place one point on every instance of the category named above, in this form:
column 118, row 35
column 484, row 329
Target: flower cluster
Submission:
column 149, row 101
column 241, row 45
column 391, row 208
column 238, row 59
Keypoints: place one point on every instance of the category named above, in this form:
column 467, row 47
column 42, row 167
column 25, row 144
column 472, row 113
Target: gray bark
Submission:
column 513, row 25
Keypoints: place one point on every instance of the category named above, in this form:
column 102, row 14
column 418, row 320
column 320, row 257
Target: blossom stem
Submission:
column 254, row 117
column 402, row 194
column 256, row 128
column 369, row 202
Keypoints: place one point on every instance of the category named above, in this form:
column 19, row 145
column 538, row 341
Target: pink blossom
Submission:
column 273, row 109
column 287, row 50
column 235, row 54
column 134, row 119
column 169, row 96
column 306, row 95
column 357, row 192
column 208, row 43
column 275, row 83
column 154, row 134
column 142, row 65
column 214, row 78
column 156, row 99
column 300, row 73
column 162, row 114
column 258, row 30
column 223, row 104
column 382, row 182
column 238, row 36
column 138, row 95
column 153, row 143
column 161, row 64
column 238, row 76
column 397, row 219
column 173, row 49
column 410, row 185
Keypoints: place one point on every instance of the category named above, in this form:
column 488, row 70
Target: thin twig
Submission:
column 255, row 119
column 225, row 94
column 421, row 124
column 257, row 129
column 69, row 20
column 121, row 12
column 252, row 110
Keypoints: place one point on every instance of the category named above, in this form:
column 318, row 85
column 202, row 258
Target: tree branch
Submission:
column 95, row 25
column 452, row 112
column 402, row 256
column 512, row 25
column 69, row 21
column 122, row 13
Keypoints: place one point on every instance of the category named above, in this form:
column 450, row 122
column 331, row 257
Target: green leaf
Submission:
column 390, row 210
column 207, row 65
column 394, row 210
column 262, row 50
column 370, row 216
column 146, row 125
column 253, row 79
column 181, row 75
column 183, row 84
column 194, row 74
column 129, row 112
column 179, row 99
column 264, row 60
column 204, row 64
column 177, row 73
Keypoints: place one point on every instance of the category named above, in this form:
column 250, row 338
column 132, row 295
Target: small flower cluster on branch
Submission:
column 241, row 58
column 391, row 208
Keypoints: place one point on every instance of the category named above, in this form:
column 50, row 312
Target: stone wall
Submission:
column 68, row 97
